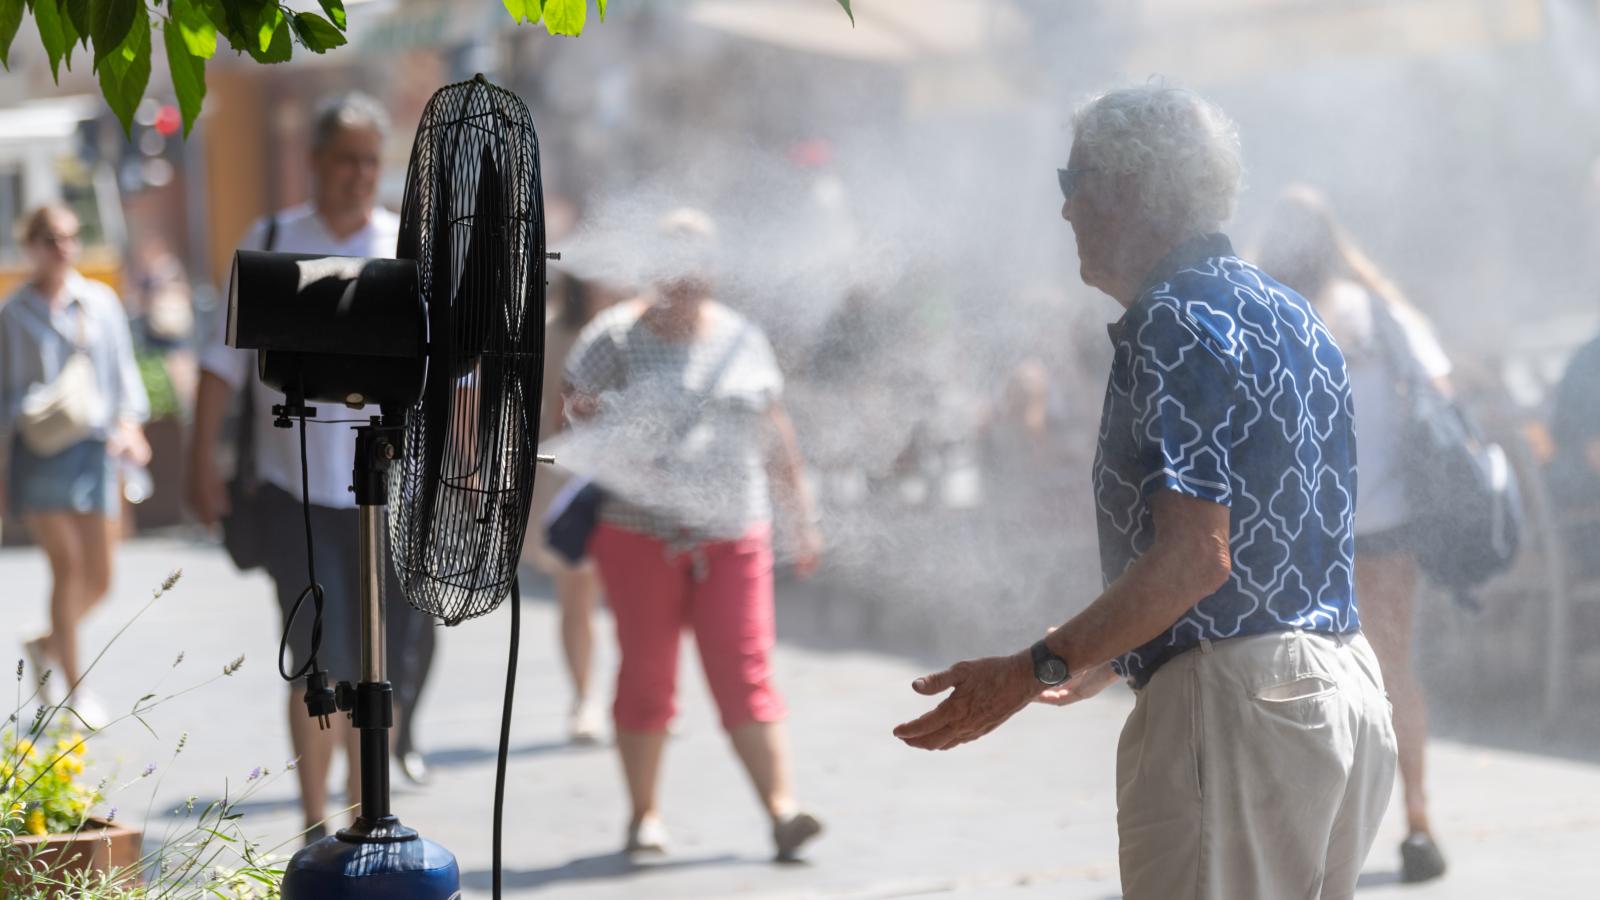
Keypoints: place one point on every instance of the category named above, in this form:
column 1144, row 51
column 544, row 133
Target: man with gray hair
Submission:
column 1259, row 756
column 341, row 219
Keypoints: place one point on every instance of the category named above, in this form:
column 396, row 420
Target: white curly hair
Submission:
column 1181, row 150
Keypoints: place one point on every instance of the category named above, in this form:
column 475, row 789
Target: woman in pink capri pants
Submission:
column 689, row 392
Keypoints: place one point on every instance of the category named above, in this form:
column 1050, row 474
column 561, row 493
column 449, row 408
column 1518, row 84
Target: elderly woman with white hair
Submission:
column 1259, row 756
column 685, row 535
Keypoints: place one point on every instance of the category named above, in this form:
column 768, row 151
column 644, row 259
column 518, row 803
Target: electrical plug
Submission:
column 320, row 702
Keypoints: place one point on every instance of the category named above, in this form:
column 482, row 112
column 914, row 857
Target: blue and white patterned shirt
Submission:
column 1226, row 386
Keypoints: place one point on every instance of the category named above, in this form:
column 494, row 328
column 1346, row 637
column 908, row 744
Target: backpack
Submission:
column 1466, row 509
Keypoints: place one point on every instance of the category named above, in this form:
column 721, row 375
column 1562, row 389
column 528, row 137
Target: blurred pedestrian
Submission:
column 71, row 409
column 577, row 584
column 162, row 310
column 1307, row 249
column 342, row 219
column 1259, row 756
column 686, row 542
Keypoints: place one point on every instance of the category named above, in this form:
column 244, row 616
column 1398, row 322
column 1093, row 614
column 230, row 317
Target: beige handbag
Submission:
column 59, row 414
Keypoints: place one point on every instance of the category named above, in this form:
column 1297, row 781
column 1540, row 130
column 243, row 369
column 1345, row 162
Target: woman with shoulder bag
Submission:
column 71, row 408
column 687, row 392
column 1384, row 340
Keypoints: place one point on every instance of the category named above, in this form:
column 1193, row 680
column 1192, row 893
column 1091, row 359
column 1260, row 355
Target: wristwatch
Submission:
column 1049, row 668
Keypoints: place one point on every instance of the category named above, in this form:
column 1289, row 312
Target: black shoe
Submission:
column 413, row 767
column 1420, row 859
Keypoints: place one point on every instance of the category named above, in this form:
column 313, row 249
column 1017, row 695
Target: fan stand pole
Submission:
column 376, row 857
column 371, row 701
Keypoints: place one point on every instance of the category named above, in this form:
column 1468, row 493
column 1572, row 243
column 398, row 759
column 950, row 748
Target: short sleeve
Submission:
column 595, row 362
column 1182, row 397
column 765, row 375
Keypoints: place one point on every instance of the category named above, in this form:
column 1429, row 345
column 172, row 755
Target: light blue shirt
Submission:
column 36, row 341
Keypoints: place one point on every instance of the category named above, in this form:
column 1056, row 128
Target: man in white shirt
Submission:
column 342, row 219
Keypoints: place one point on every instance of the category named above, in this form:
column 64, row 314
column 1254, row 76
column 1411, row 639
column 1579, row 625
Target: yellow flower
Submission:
column 35, row 824
column 80, row 745
column 25, row 749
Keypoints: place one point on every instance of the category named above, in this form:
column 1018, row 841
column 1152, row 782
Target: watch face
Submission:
column 1051, row 671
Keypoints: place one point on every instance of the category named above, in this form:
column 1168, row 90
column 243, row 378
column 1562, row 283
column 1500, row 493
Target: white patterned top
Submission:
column 679, row 437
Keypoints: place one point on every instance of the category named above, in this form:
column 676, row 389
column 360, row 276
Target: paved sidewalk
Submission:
column 1027, row 812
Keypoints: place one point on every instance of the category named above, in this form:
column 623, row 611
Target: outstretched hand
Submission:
column 984, row 694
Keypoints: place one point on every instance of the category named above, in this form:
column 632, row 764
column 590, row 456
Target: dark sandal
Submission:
column 1420, row 859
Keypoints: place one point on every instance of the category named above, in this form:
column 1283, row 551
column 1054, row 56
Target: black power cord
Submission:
column 319, row 697
column 505, row 728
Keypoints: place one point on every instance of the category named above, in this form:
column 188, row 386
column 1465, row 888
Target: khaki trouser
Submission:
column 1256, row 768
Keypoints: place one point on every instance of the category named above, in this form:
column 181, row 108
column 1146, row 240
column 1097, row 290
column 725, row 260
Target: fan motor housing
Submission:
column 336, row 329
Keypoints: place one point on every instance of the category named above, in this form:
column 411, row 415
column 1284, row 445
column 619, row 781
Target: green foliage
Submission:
column 198, row 32
column 40, row 788
column 270, row 41
column 109, row 24
column 117, row 33
column 158, row 385
column 125, row 70
column 524, row 10
column 318, row 34
column 78, row 13
column 55, row 34
column 202, row 851
column 565, row 16
column 10, row 21
column 335, row 11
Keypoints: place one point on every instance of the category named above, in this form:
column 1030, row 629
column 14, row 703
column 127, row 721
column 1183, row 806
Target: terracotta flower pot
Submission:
column 100, row 846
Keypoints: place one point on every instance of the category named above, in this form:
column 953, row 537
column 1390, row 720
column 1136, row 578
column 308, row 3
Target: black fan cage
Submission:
column 473, row 220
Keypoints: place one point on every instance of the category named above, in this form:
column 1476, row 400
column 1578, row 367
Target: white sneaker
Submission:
column 40, row 663
column 583, row 725
column 91, row 713
column 647, row 836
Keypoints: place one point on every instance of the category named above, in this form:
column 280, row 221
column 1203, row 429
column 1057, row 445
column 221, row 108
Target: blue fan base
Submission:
column 332, row 869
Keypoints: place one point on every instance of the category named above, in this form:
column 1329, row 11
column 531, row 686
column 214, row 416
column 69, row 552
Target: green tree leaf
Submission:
column 602, row 5
column 335, row 11
column 228, row 21
column 188, row 69
column 47, row 15
column 10, row 21
column 266, row 25
column 269, row 40
column 565, row 16
column 125, row 71
column 848, row 11
column 195, row 28
column 317, row 33
column 524, row 10
column 109, row 24
column 78, row 14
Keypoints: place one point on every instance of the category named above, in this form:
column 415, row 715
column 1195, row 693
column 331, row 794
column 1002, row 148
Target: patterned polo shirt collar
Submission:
column 1186, row 254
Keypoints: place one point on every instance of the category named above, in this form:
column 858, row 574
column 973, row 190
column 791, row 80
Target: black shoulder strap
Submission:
column 1395, row 344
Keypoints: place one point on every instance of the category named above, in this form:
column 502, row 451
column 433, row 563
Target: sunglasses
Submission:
column 1070, row 180
column 56, row 239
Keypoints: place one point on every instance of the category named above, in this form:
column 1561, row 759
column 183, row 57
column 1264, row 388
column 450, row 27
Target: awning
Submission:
column 890, row 33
